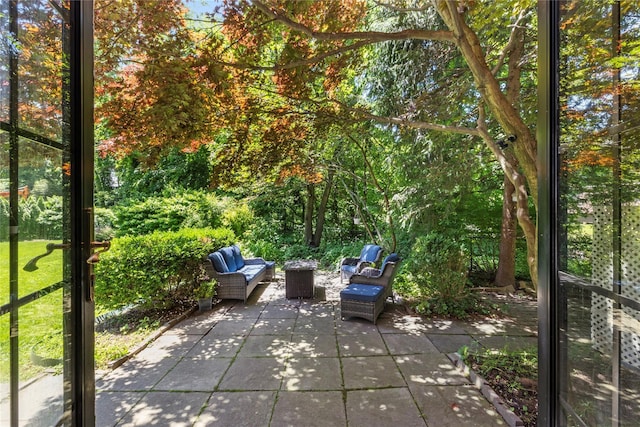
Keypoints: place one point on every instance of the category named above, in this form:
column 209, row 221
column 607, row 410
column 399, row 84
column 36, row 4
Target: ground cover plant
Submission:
column 121, row 332
column 513, row 375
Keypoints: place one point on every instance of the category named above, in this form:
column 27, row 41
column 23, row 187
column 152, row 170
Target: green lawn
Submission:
column 40, row 322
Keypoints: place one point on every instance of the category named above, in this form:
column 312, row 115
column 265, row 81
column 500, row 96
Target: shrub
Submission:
column 171, row 213
column 238, row 218
column 157, row 268
column 103, row 223
column 39, row 217
column 435, row 275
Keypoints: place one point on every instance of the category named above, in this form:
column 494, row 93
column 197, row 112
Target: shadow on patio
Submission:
column 279, row 362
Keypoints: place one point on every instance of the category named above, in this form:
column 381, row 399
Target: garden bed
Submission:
column 122, row 335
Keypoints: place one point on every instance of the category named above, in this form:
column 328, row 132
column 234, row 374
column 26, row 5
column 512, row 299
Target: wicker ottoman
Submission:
column 358, row 300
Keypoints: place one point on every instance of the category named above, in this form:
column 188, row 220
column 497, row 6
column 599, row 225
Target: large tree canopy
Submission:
column 276, row 74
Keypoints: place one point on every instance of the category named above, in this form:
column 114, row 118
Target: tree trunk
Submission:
column 322, row 210
column 506, row 274
column 520, row 166
column 308, row 213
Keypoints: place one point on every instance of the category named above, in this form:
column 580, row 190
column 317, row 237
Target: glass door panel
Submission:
column 599, row 201
column 43, row 275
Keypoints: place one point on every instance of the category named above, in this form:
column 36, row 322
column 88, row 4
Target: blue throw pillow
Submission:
column 390, row 258
column 227, row 253
column 237, row 256
column 369, row 253
column 218, row 262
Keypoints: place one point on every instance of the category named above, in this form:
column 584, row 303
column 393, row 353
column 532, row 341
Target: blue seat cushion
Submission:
column 250, row 270
column 369, row 253
column 227, row 253
column 360, row 292
column 237, row 256
column 218, row 262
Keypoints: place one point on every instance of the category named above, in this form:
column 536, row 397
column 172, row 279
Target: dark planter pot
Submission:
column 204, row 304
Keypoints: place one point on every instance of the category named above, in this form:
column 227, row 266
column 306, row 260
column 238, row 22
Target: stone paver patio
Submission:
column 278, row 362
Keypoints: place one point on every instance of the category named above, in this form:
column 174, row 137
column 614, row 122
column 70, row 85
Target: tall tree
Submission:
column 276, row 69
column 327, row 37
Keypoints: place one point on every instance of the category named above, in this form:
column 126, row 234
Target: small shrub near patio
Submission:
column 434, row 277
column 156, row 269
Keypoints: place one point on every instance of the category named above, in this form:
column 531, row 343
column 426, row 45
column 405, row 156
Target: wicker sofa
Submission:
column 237, row 276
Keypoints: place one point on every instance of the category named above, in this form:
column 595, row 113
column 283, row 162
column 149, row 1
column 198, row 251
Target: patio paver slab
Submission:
column 280, row 311
column 276, row 326
column 266, row 346
column 165, row 409
column 382, row 408
column 448, row 406
column 246, row 408
column 111, row 406
column 211, row 346
column 434, row 369
column 511, row 343
column 194, row 375
column 253, row 373
column 370, row 344
column 408, row 344
column 315, row 325
column 136, row 374
column 309, row 409
column 371, row 372
column 451, row 343
column 321, row 373
column 307, row 345
column 233, row 327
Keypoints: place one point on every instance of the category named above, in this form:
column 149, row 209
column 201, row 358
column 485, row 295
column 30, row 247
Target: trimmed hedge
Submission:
column 156, row 269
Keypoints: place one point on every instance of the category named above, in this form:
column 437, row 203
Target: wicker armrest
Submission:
column 369, row 272
column 349, row 261
column 362, row 265
column 254, row 261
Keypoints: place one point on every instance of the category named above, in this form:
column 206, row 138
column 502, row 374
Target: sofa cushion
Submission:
column 217, row 260
column 360, row 292
column 227, row 253
column 237, row 256
column 369, row 253
column 250, row 271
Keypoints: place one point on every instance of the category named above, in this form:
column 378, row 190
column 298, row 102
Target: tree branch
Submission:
column 373, row 36
column 301, row 62
column 401, row 9
column 510, row 44
column 416, row 124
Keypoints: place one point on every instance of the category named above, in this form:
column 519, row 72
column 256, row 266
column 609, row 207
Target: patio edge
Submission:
column 492, row 397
